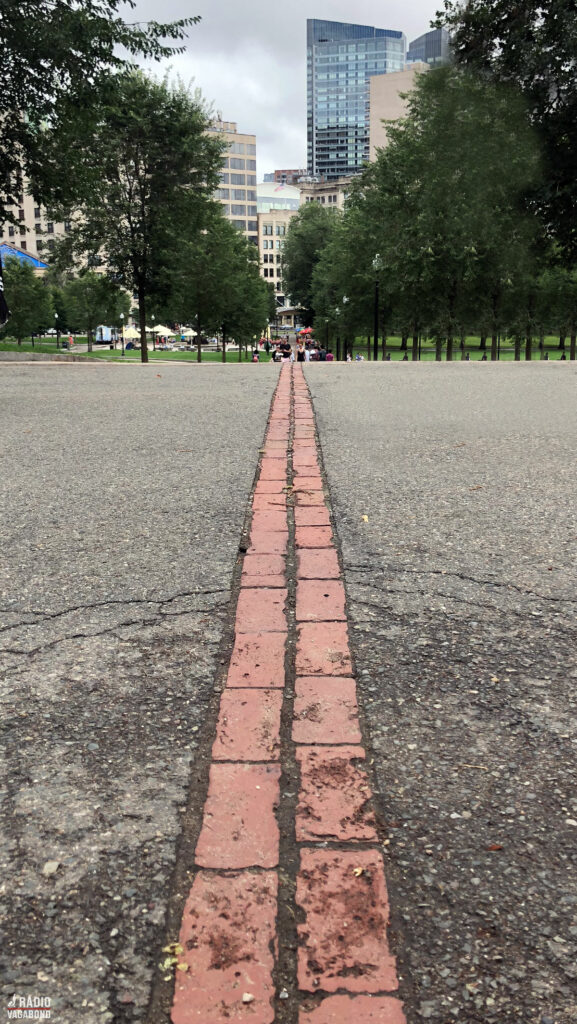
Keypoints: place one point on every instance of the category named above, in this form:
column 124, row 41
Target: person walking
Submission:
column 300, row 352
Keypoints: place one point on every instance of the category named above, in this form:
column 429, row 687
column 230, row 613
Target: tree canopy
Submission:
column 58, row 60
column 146, row 185
column 532, row 45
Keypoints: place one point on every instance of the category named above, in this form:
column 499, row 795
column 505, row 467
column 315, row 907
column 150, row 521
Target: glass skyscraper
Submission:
column 433, row 47
column 340, row 60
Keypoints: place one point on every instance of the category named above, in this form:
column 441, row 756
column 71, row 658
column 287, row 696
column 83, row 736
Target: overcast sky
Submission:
column 248, row 57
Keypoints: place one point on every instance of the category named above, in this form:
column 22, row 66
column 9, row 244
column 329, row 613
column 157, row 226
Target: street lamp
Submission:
column 345, row 300
column 122, row 327
column 377, row 266
column 338, row 352
column 57, row 330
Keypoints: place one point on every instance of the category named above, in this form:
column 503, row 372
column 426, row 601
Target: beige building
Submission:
column 386, row 101
column 332, row 194
column 34, row 233
column 277, row 205
column 237, row 191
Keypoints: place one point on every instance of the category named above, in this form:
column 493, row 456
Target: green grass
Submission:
column 110, row 355
column 507, row 352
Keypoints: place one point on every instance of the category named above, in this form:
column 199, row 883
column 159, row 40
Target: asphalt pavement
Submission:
column 454, row 491
column 123, row 495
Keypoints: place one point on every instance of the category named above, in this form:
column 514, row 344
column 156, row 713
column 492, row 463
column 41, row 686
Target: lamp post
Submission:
column 345, row 300
column 122, row 329
column 327, row 334
column 57, row 330
column 377, row 265
column 338, row 352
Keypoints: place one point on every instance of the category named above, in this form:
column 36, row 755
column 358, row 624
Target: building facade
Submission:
column 341, row 58
column 432, row 47
column 34, row 232
column 388, row 101
column 277, row 205
column 237, row 189
column 286, row 177
column 332, row 194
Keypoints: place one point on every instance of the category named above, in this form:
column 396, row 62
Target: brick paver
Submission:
column 227, row 932
column 239, row 828
column 229, row 941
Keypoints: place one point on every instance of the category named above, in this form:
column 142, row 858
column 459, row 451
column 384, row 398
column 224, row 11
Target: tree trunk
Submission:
column 438, row 349
column 450, row 348
column 384, row 344
column 338, row 352
column 483, row 342
column 404, row 338
column 528, row 346
column 198, row 345
column 89, row 340
column 562, row 342
column 415, row 348
column 517, row 344
column 19, row 340
column 494, row 347
column 368, row 347
column 223, row 345
column 463, row 347
column 240, row 350
column 142, row 324
column 573, row 343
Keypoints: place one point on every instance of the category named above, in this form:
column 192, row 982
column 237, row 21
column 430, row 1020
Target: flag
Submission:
column 4, row 311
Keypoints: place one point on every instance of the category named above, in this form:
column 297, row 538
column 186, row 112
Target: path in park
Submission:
column 135, row 741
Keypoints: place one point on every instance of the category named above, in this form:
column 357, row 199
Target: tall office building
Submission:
column 433, row 47
column 341, row 58
column 237, row 191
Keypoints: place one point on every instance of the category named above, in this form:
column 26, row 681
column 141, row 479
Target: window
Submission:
column 51, row 243
column 38, row 228
column 40, row 246
column 252, row 224
column 11, row 231
column 50, row 228
column 267, row 229
column 279, row 245
column 251, row 211
column 20, row 214
column 222, row 193
column 265, row 272
column 238, row 179
column 250, row 165
column 239, row 193
column 251, row 196
column 236, row 147
column 36, row 212
column 22, row 245
column 238, row 224
column 251, row 179
column 22, row 229
column 236, row 164
column 280, row 229
column 238, row 209
column 278, row 258
column 224, row 178
column 251, row 149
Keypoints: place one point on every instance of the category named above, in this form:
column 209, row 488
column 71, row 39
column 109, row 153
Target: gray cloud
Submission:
column 249, row 59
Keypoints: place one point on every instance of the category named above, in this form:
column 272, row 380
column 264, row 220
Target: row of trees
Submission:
column 140, row 169
column 456, row 229
column 74, row 304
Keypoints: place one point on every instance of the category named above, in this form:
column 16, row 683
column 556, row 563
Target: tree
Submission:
column 149, row 177
column 532, row 45
column 94, row 299
column 308, row 234
column 30, row 299
column 58, row 60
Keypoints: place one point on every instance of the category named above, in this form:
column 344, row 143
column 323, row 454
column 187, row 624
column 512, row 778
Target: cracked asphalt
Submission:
column 123, row 494
column 462, row 596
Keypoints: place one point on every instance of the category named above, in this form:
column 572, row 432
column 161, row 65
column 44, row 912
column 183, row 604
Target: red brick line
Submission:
column 345, row 971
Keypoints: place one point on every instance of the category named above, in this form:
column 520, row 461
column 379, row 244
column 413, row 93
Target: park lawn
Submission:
column 132, row 356
column 472, row 347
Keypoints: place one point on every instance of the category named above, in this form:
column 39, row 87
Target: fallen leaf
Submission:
column 365, row 519
column 479, row 487
column 495, row 846
column 182, row 967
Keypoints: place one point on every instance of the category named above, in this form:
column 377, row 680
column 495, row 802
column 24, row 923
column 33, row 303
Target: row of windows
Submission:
column 242, row 147
column 246, row 225
column 272, row 245
column 244, row 194
column 280, row 229
column 272, row 272
column 236, row 163
column 270, row 258
column 238, row 179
